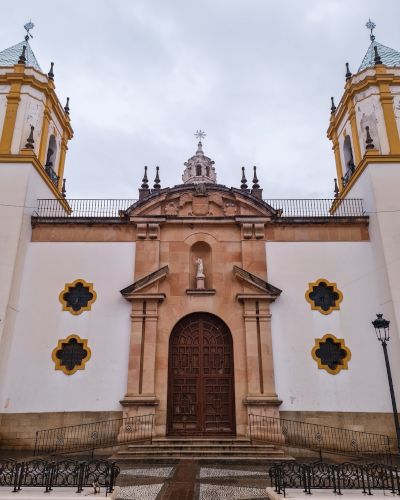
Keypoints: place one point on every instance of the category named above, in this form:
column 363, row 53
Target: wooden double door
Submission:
column 201, row 397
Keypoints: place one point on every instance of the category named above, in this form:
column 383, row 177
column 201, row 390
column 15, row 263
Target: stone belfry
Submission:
column 34, row 133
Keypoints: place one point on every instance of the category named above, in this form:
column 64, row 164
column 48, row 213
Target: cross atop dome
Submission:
column 199, row 168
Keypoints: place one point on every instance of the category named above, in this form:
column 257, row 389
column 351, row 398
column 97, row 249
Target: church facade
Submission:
column 200, row 303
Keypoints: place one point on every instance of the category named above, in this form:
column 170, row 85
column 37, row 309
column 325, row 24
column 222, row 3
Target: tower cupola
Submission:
column 199, row 168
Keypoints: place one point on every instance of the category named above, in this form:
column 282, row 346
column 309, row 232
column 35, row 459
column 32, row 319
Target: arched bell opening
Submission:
column 200, row 250
column 348, row 154
column 201, row 392
column 51, row 153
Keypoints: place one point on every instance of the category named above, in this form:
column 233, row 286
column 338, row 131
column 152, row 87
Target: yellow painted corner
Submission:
column 66, row 290
column 342, row 346
column 57, row 361
column 317, row 308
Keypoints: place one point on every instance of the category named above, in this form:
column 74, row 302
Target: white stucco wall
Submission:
column 20, row 187
column 299, row 382
column 378, row 186
column 32, row 384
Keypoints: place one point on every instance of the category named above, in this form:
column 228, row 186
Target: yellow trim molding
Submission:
column 370, row 156
column 342, row 346
column 336, row 307
column 76, row 367
column 66, row 290
column 28, row 156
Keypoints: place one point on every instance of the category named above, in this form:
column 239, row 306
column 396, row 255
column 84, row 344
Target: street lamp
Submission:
column 381, row 326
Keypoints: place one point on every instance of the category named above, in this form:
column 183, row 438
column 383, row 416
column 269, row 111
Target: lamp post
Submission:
column 381, row 326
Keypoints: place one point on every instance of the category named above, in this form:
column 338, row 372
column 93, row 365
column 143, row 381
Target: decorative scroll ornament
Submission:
column 77, row 297
column 324, row 296
column 331, row 354
column 71, row 354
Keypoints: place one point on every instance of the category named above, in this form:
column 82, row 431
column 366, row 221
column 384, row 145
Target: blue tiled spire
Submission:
column 10, row 56
column 389, row 57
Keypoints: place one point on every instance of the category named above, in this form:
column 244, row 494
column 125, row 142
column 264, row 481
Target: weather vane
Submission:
column 200, row 134
column 371, row 26
column 28, row 26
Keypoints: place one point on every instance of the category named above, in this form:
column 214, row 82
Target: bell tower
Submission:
column 34, row 133
column 34, row 126
column 364, row 127
column 365, row 132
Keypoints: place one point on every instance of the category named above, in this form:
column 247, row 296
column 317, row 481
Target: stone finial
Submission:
column 333, row 107
column 255, row 180
column 157, row 184
column 377, row 58
column 22, row 58
column 369, row 141
column 348, row 73
column 336, row 189
column 63, row 190
column 145, row 180
column 50, row 74
column 66, row 108
column 30, row 142
column 244, row 180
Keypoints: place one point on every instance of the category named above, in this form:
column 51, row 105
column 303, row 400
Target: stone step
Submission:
column 214, row 459
column 151, row 448
column 205, row 453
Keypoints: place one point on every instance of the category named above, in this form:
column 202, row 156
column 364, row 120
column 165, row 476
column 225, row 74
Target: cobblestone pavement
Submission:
column 190, row 480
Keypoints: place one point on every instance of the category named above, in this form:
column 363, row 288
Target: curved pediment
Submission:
column 201, row 200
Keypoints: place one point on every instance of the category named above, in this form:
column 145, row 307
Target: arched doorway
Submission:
column 201, row 397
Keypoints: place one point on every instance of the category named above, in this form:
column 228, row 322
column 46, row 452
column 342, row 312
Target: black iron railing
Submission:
column 95, row 435
column 335, row 477
column 48, row 475
column 348, row 174
column 82, row 208
column 51, row 173
column 320, row 438
column 348, row 207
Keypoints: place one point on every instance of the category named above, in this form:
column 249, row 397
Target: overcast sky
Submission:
column 255, row 75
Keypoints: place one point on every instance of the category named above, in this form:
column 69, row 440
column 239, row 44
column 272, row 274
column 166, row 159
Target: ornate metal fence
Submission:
column 320, row 438
column 82, row 208
column 96, row 435
column 335, row 477
column 348, row 207
column 48, row 475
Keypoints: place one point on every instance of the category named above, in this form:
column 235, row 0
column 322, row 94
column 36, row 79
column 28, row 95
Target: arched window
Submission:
column 208, row 171
column 198, row 170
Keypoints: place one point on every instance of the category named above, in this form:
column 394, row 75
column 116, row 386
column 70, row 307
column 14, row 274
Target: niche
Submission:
column 51, row 152
column 348, row 152
column 200, row 250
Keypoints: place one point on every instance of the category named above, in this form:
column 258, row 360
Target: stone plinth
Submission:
column 200, row 282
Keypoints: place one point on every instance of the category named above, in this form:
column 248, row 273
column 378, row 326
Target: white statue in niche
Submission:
column 200, row 274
